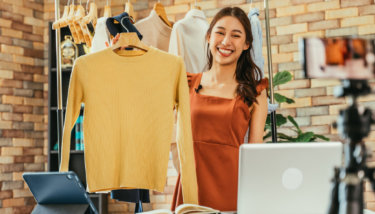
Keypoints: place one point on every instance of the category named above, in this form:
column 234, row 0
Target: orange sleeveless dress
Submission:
column 219, row 126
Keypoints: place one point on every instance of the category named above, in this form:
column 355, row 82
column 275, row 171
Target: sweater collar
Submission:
column 164, row 28
column 195, row 13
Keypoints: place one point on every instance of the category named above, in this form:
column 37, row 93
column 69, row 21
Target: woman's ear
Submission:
column 246, row 46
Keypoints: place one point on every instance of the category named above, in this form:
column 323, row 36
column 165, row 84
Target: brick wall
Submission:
column 23, row 100
column 23, row 78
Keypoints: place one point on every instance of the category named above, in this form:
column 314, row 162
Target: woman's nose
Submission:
column 226, row 40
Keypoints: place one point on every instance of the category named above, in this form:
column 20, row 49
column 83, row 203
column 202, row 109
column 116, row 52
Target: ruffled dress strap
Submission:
column 263, row 84
column 192, row 79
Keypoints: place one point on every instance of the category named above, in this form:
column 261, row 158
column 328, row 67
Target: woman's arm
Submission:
column 176, row 161
column 258, row 118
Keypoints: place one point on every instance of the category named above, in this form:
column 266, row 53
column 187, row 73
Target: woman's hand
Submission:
column 114, row 40
column 176, row 161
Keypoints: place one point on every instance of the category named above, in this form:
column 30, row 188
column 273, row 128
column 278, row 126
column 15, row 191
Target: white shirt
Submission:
column 256, row 30
column 155, row 32
column 101, row 36
column 188, row 39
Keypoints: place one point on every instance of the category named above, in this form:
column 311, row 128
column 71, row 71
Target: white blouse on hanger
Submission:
column 155, row 32
column 256, row 29
column 101, row 36
column 188, row 39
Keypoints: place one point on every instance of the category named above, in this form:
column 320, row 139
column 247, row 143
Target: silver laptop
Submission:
column 286, row 178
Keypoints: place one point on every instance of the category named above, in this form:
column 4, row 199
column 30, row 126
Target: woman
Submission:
column 225, row 101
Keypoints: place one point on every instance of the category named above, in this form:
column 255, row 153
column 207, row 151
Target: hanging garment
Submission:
column 101, row 36
column 256, row 30
column 131, row 195
column 121, row 24
column 188, row 39
column 216, row 146
column 155, row 32
column 128, row 120
column 256, row 51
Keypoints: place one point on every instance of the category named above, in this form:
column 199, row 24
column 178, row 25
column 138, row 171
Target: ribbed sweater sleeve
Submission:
column 75, row 97
column 185, row 139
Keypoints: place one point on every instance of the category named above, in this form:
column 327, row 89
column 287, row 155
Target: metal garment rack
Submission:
column 59, row 83
column 270, row 71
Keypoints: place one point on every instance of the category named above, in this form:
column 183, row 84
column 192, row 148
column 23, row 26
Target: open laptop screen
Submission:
column 286, row 178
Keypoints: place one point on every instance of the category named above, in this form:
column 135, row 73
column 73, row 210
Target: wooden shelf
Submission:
column 55, row 152
column 55, row 108
column 95, row 195
column 62, row 70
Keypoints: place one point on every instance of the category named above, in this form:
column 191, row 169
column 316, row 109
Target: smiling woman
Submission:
column 225, row 101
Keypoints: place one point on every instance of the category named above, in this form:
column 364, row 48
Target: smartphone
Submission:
column 338, row 58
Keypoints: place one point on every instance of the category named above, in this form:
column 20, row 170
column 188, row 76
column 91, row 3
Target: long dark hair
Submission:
column 247, row 74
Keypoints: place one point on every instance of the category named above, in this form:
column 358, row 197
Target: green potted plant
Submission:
column 279, row 79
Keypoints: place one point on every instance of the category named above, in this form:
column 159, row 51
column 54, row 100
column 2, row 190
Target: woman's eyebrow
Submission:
column 220, row 27
column 238, row 31
column 235, row 30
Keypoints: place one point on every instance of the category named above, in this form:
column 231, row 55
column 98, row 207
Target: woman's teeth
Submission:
column 225, row 51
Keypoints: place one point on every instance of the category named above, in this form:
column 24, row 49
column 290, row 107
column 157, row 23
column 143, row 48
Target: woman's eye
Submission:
column 220, row 33
column 236, row 36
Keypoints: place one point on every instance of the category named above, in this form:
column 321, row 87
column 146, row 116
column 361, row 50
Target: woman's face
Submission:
column 227, row 41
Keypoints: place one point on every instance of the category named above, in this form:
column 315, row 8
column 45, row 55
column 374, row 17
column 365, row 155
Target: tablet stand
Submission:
column 58, row 193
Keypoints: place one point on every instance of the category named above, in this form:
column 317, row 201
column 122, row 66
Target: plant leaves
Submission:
column 281, row 77
column 290, row 118
column 282, row 99
column 269, row 134
column 267, row 126
column 305, row 137
column 285, row 137
column 289, row 101
column 280, row 120
column 321, row 137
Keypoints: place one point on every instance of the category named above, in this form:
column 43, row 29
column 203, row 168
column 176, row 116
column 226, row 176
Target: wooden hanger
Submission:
column 69, row 22
column 159, row 9
column 195, row 6
column 129, row 9
column 57, row 23
column 92, row 16
column 72, row 9
column 90, row 19
column 107, row 11
column 80, row 13
column 129, row 39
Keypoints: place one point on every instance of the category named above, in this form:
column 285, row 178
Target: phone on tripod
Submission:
column 339, row 58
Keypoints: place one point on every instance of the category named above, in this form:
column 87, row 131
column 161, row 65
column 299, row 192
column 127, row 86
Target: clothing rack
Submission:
column 270, row 71
column 59, row 78
column 59, row 83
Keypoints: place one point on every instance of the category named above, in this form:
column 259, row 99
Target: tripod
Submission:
column 353, row 125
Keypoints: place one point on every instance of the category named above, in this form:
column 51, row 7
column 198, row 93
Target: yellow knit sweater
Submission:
column 128, row 120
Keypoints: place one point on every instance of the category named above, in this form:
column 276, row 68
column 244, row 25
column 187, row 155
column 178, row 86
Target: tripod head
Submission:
column 355, row 121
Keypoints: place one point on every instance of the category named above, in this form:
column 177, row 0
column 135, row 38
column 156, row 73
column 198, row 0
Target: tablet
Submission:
column 57, row 188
